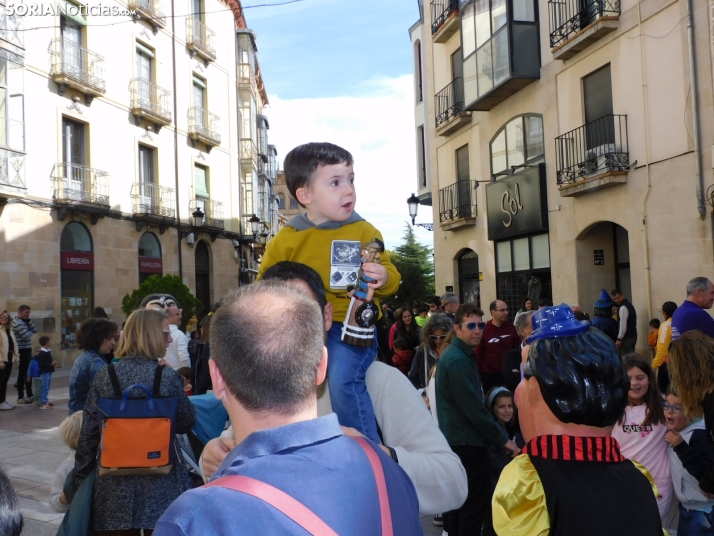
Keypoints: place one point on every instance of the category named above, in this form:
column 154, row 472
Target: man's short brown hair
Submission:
column 464, row 311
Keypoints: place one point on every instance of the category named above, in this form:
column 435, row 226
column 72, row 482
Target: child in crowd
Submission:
column 187, row 374
column 69, row 431
column 33, row 375
column 403, row 355
column 690, row 458
column 499, row 401
column 642, row 427
column 329, row 238
column 421, row 316
column 47, row 367
column 653, row 335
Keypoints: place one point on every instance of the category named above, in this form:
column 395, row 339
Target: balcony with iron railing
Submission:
column 150, row 101
column 153, row 201
column 593, row 156
column 204, row 126
column 151, row 10
column 200, row 39
column 213, row 211
column 449, row 107
column 577, row 24
column 80, row 185
column 77, row 67
column 457, row 205
column 248, row 152
column 12, row 173
column 444, row 19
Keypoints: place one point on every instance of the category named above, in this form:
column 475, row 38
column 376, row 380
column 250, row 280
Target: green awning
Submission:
column 144, row 50
column 198, row 82
column 199, row 182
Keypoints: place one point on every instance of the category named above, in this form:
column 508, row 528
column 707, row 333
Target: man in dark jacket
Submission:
column 499, row 336
column 627, row 334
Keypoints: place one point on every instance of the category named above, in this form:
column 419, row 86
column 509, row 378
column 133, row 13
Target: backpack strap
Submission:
column 115, row 381
column 157, row 381
column 300, row 513
column 279, row 500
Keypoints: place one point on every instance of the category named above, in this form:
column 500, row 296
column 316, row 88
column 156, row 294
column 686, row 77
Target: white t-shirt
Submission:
column 177, row 352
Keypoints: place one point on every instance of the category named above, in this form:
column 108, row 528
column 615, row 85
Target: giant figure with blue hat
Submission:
column 571, row 477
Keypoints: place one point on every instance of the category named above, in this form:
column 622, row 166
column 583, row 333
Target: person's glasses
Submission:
column 674, row 408
column 473, row 325
column 5, row 316
column 437, row 337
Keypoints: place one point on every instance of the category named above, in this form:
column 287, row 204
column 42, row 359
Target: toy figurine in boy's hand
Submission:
column 362, row 313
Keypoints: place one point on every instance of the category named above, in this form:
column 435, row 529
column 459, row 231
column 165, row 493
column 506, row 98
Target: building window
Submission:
column 281, row 201
column 519, row 142
column 73, row 156
column 200, row 185
column 77, row 282
column 293, row 203
column 418, row 71
column 144, row 73
column 12, row 105
column 197, row 9
column 597, row 100
column 523, row 270
column 199, row 92
column 421, row 157
column 150, row 261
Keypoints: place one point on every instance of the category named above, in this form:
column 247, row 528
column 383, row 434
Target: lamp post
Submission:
column 197, row 216
column 197, row 222
column 413, row 203
column 254, row 225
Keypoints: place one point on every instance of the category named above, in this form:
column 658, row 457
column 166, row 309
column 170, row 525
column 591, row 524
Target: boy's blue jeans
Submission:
column 695, row 522
column 346, row 369
column 46, row 377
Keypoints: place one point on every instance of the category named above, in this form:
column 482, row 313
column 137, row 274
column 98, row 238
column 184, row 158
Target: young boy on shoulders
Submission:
column 690, row 458
column 329, row 239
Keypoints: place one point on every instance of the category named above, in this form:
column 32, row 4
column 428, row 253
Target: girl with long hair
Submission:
column 408, row 329
column 642, row 427
column 432, row 344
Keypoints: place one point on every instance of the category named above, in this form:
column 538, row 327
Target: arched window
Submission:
column 294, row 203
column 519, row 142
column 77, row 281
column 150, row 261
column 281, row 201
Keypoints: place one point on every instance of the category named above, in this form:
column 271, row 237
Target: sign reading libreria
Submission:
column 517, row 205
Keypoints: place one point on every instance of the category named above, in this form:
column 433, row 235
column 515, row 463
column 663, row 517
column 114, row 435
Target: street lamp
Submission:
column 263, row 239
column 198, row 216
column 254, row 224
column 413, row 203
column 197, row 222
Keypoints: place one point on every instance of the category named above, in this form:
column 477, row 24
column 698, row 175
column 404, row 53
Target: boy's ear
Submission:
column 302, row 195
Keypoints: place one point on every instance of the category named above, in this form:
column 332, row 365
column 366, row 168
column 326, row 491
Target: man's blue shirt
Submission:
column 690, row 316
column 313, row 462
column 84, row 369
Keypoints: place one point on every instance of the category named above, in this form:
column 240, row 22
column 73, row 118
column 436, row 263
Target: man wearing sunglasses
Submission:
column 468, row 426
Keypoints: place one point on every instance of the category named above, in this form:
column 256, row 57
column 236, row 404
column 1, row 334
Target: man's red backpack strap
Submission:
column 300, row 513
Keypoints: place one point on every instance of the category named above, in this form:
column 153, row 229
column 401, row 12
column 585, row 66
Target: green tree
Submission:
column 415, row 263
column 168, row 284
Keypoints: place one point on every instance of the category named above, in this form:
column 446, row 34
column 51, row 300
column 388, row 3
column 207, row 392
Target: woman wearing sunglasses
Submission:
column 429, row 351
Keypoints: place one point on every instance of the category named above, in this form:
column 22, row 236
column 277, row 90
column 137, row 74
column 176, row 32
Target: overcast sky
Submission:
column 341, row 71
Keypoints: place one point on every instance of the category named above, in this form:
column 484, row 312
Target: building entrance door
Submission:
column 203, row 278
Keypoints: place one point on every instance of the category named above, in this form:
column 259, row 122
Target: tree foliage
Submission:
column 415, row 263
column 168, row 284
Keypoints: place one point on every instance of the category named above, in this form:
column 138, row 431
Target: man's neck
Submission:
column 693, row 299
column 246, row 422
column 496, row 323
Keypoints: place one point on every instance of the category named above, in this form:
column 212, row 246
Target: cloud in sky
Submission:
column 378, row 129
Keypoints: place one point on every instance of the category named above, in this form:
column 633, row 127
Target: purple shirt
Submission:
column 690, row 316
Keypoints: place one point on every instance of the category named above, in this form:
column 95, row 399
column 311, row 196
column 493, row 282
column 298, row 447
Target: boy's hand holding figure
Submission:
column 377, row 272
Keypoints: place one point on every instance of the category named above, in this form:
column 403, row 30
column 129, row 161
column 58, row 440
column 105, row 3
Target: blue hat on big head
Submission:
column 604, row 301
column 554, row 322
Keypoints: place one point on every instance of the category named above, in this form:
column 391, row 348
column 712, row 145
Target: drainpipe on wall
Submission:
column 645, row 238
column 695, row 111
column 176, row 160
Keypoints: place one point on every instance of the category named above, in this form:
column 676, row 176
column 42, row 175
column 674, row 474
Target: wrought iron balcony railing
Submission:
column 77, row 66
column 568, row 17
column 457, row 201
column 203, row 126
column 199, row 39
column 598, row 147
column 149, row 100
column 153, row 200
column 153, row 10
column 440, row 11
column 213, row 211
column 80, row 184
column 449, row 101
column 12, row 171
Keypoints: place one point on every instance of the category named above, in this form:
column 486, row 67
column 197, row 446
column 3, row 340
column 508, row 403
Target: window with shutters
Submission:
column 200, row 185
column 597, row 98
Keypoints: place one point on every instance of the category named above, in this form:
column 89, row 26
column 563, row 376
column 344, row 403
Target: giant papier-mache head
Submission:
column 577, row 367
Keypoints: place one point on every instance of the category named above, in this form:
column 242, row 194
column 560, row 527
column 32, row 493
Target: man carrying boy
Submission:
column 47, row 367
column 329, row 238
column 690, row 459
column 266, row 372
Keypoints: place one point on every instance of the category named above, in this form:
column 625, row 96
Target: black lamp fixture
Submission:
column 197, row 216
column 413, row 203
column 254, row 225
column 263, row 238
column 196, row 223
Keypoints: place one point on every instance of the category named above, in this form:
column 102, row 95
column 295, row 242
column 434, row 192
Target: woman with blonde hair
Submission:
column 691, row 373
column 8, row 356
column 131, row 503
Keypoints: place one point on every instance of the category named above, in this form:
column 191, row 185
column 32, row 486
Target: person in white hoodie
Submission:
column 690, row 458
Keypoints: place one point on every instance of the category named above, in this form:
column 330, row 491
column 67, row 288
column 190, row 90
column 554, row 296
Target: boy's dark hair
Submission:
column 435, row 300
column 44, row 340
column 186, row 372
column 401, row 344
column 655, row 323
column 423, row 308
column 303, row 160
